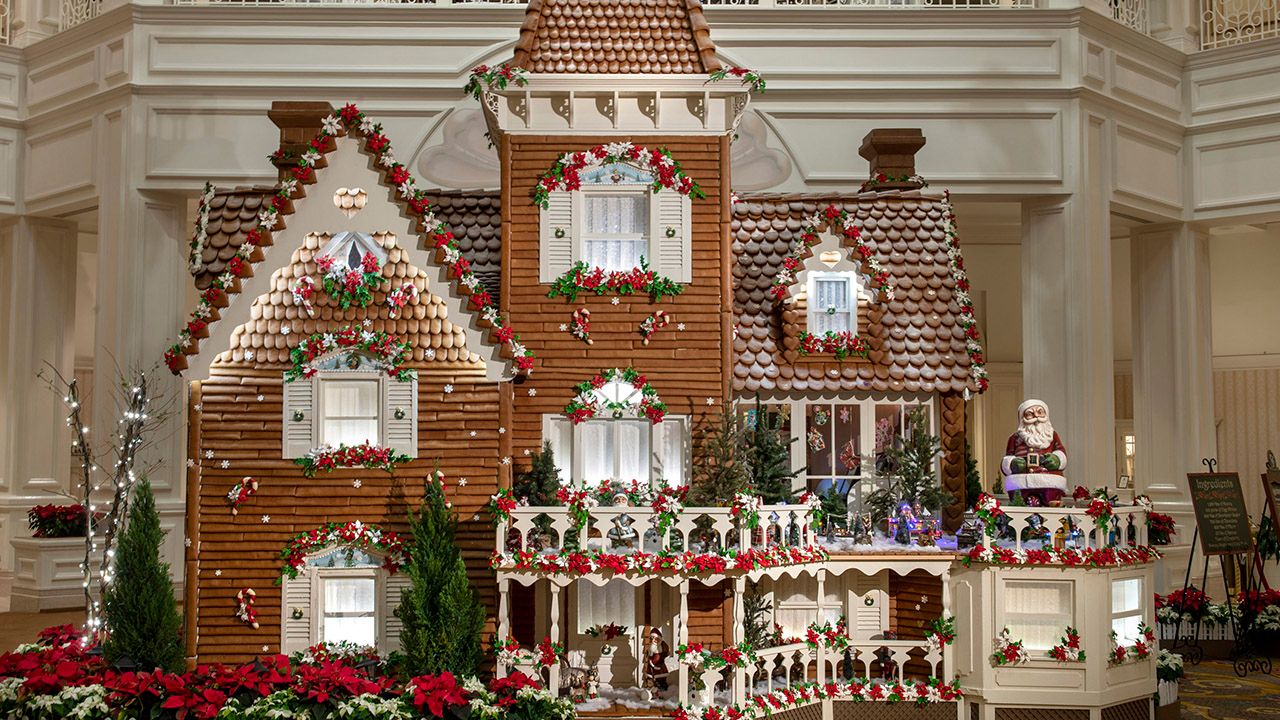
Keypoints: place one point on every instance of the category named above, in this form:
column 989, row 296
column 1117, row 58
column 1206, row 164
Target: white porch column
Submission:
column 553, row 674
column 1172, row 374
column 819, row 614
column 682, row 638
column 37, row 326
column 504, row 616
column 1068, row 359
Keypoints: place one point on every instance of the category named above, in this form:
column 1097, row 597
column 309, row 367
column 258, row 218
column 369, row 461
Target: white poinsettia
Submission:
column 331, row 125
column 367, row 127
column 310, row 157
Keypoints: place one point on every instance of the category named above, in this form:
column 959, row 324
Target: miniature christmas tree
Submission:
column 141, row 612
column 755, row 616
column 910, row 474
column 972, row 478
column 769, row 458
column 718, row 470
column 441, row 614
column 540, row 483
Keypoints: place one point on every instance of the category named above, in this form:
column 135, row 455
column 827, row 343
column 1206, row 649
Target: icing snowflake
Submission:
column 217, row 573
column 680, row 327
column 448, row 388
column 564, row 327
column 502, row 431
column 261, row 398
column 225, row 464
column 248, row 354
column 266, row 648
column 462, row 482
column 356, row 483
column 285, row 330
column 526, row 452
column 711, row 401
column 208, row 454
column 506, row 460
column 429, row 353
column 616, row 300
column 186, row 542
column 533, row 392
column 473, row 433
column 191, row 462
column 266, row 519
column 199, row 407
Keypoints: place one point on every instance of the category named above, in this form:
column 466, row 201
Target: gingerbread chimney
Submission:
column 299, row 122
column 892, row 154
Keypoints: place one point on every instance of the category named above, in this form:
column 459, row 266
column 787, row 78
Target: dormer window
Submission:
column 833, row 302
column 615, row 222
column 350, row 248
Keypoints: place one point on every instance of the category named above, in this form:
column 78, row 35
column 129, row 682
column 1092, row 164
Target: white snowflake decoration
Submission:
column 261, row 398
column 356, row 483
column 448, row 388
column 462, row 482
column 285, row 330
column 615, row 301
column 533, row 392
column 248, row 354
column 266, row 519
column 208, row 454
column 429, row 353
column 680, row 327
column 217, row 573
column 191, row 462
column 225, row 464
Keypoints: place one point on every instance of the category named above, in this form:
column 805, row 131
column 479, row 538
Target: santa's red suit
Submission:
column 1028, row 476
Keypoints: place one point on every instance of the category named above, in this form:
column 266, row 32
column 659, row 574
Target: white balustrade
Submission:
column 785, row 665
column 1132, row 14
column 1232, row 22
column 625, row 529
column 1052, row 518
column 75, row 12
column 889, row 4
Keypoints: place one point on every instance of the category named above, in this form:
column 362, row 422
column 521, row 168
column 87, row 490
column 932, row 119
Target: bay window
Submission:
column 1038, row 612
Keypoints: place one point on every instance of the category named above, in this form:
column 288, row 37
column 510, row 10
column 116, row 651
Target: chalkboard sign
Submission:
column 1271, row 484
column 1220, row 513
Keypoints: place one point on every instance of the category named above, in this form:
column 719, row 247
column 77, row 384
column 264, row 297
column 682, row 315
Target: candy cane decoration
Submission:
column 401, row 296
column 581, row 327
column 653, row 323
column 302, row 291
column 245, row 611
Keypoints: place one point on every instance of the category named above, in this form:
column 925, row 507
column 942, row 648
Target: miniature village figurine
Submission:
column 655, row 661
column 1035, row 458
column 864, row 529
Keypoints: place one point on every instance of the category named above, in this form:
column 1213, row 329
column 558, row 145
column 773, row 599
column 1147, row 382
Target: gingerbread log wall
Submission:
column 687, row 368
column 242, row 551
column 951, row 412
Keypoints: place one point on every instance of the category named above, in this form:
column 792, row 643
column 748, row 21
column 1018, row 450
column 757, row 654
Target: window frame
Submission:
column 319, row 575
column 1139, row 612
column 861, row 482
column 334, row 376
column 1003, row 613
column 617, row 616
column 581, row 235
column 852, row 292
column 554, row 424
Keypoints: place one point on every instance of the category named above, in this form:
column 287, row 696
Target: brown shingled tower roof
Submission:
column 616, row 36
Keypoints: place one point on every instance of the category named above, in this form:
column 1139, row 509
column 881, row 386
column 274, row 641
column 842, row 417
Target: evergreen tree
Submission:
column 972, row 478
column 769, row 457
column 540, row 483
column 718, row 470
column 755, row 616
column 141, row 612
column 441, row 614
column 910, row 475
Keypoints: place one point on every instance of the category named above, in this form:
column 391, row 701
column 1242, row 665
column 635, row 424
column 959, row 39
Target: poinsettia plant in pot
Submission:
column 58, row 521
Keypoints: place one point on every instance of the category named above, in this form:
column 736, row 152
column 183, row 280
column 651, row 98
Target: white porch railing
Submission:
column 1051, row 519
column 625, row 529
column 1232, row 22
column 785, row 666
column 352, row 2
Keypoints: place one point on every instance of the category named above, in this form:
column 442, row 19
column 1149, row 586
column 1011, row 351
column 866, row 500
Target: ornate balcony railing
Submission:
column 1232, row 22
column 1131, row 14
column 1074, row 527
column 628, row 530
column 75, row 12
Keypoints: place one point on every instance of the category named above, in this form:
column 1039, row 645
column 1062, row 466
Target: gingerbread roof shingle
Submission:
column 278, row 320
column 918, row 341
column 615, row 36
column 472, row 215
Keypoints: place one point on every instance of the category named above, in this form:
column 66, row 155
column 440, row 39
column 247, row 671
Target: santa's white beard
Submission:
column 655, row 648
column 1038, row 434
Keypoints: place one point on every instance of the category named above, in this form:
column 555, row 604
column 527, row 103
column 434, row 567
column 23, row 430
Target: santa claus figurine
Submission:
column 1035, row 458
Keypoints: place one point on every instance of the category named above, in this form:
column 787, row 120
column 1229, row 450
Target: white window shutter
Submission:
column 558, row 225
column 390, row 624
column 400, row 434
column 557, row 430
column 297, row 615
column 300, row 403
column 671, row 236
column 671, row 450
column 870, row 620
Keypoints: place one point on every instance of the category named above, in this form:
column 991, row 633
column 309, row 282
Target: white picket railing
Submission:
column 1232, row 22
column 626, row 529
column 1051, row 519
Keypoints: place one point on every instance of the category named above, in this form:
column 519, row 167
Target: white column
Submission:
column 819, row 614
column 1172, row 373
column 37, row 326
column 504, row 616
column 682, row 638
column 553, row 676
column 1068, row 358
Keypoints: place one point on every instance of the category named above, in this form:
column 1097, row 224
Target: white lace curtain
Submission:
column 350, row 411
column 617, row 228
column 350, row 608
column 829, row 310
